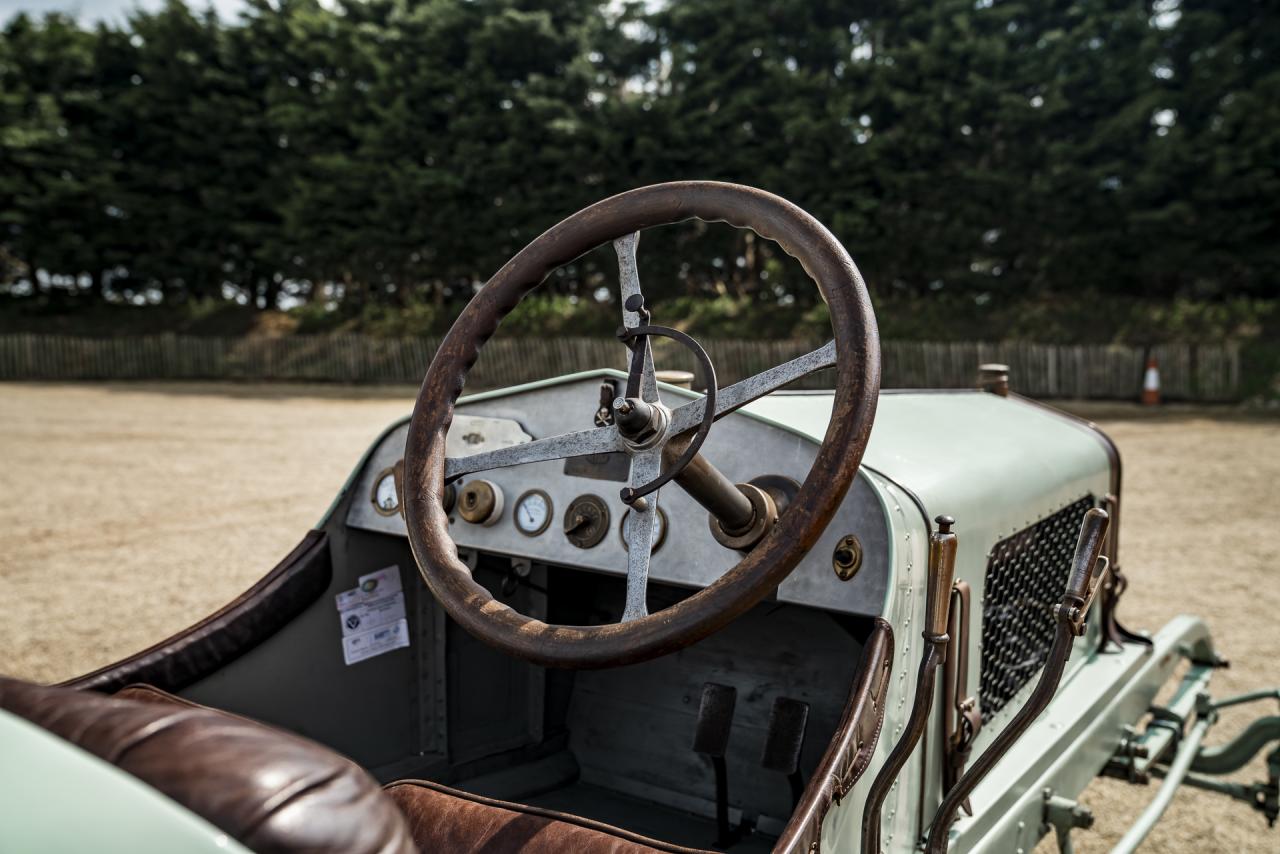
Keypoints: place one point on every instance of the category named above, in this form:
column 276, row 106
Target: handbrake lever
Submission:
column 1087, row 570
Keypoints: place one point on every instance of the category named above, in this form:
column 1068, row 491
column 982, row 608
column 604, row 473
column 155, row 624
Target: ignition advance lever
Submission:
column 1087, row 569
column 942, row 572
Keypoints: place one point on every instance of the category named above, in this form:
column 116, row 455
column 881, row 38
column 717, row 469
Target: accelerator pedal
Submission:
column 784, row 742
column 711, row 739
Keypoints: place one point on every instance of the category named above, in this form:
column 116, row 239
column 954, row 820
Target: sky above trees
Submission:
column 92, row 11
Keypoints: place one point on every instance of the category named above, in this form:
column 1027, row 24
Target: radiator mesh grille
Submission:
column 1026, row 575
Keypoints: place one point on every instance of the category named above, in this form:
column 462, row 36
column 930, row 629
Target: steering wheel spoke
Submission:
column 640, row 636
column 645, row 466
column 629, row 285
column 738, row 395
column 598, row 440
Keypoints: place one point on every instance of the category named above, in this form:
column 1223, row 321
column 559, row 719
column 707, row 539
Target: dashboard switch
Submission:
column 586, row 521
column 480, row 502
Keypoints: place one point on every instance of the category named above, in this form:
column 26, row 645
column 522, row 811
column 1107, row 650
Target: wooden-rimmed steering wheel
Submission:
column 855, row 353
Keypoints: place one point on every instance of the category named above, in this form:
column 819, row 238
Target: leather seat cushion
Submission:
column 444, row 819
column 272, row 791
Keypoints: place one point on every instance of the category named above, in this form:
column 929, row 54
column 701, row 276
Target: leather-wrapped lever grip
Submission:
column 942, row 574
column 1088, row 566
column 1093, row 533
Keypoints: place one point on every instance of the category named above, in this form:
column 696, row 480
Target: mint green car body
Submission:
column 996, row 464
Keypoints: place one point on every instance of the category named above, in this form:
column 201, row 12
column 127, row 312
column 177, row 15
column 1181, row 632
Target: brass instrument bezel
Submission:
column 546, row 521
column 846, row 570
column 394, row 473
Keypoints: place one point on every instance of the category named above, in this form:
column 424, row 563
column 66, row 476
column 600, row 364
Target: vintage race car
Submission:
column 603, row 613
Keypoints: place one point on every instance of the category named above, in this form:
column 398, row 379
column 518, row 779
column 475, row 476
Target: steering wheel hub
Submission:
column 854, row 353
column 641, row 425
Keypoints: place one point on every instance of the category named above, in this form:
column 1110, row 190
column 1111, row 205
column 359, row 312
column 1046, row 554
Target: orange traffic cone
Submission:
column 1151, row 383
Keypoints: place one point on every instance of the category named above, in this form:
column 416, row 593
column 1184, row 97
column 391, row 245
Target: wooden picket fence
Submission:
column 1207, row 372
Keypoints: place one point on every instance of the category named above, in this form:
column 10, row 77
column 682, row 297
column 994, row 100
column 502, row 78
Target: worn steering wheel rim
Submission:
column 857, row 364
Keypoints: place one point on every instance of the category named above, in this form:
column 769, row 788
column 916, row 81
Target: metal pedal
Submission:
column 784, row 742
column 715, row 719
column 711, row 739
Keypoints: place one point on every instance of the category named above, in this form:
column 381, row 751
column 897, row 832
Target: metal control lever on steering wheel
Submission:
column 670, row 437
column 629, row 410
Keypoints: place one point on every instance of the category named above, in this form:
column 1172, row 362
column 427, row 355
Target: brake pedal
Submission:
column 711, row 739
column 784, row 741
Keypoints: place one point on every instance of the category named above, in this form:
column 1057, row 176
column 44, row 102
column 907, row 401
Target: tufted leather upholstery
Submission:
column 445, row 819
column 272, row 791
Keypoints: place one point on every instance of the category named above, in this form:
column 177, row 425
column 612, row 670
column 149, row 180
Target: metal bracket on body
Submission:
column 1064, row 815
column 961, row 718
column 1179, row 758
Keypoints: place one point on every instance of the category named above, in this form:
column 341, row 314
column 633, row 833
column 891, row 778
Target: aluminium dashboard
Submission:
column 740, row 445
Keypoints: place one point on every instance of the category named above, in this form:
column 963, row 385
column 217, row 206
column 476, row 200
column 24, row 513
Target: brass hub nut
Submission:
column 762, row 522
column 480, row 502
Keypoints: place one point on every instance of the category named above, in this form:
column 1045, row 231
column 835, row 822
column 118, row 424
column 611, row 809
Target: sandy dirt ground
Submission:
column 129, row 511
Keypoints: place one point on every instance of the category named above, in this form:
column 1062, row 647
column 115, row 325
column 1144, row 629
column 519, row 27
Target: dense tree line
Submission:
column 396, row 152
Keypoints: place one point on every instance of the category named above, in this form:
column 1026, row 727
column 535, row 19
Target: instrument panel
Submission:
column 569, row 513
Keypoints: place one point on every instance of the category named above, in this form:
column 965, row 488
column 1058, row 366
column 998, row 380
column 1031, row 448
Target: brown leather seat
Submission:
column 445, row 819
column 272, row 791
column 448, row 820
column 276, row 792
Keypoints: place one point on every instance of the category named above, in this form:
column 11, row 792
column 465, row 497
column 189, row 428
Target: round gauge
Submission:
column 586, row 521
column 480, row 502
column 533, row 512
column 386, row 497
column 659, row 535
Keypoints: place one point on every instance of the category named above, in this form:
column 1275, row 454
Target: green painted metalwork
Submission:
column 1073, row 740
column 1239, row 751
column 56, row 797
column 997, row 465
column 1185, row 755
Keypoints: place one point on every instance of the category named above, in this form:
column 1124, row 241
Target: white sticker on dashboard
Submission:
column 369, row 615
column 358, row 647
column 375, row 585
column 372, row 615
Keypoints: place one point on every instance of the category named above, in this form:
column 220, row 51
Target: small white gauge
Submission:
column 386, row 496
column 659, row 533
column 533, row 512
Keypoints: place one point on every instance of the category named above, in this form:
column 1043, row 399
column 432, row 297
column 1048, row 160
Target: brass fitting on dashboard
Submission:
column 480, row 502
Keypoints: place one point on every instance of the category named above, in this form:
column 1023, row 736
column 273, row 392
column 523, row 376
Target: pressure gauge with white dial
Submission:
column 533, row 512
column 659, row 532
column 386, row 495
